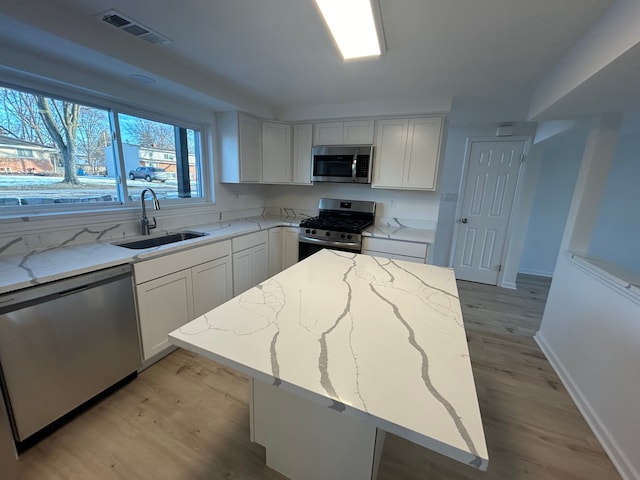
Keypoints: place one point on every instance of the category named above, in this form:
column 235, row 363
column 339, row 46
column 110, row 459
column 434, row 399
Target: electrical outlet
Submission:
column 235, row 195
column 449, row 196
column 392, row 203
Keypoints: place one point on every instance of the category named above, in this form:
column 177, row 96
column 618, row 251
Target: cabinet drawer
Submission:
column 397, row 247
column 159, row 267
column 249, row 240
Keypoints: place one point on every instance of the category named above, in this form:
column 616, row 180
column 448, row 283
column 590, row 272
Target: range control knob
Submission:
column 342, row 236
column 313, row 232
column 328, row 234
column 348, row 237
column 307, row 231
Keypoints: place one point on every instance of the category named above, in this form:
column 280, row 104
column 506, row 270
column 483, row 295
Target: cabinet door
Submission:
column 391, row 142
column 289, row 247
column 302, row 143
column 241, row 271
column 358, row 133
column 164, row 304
column 259, row 264
column 212, row 284
column 275, row 250
column 423, row 153
column 276, row 152
column 328, row 133
column 249, row 146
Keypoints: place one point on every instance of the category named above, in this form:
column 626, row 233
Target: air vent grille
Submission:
column 122, row 22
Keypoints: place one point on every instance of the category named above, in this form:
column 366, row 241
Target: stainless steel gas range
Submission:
column 338, row 226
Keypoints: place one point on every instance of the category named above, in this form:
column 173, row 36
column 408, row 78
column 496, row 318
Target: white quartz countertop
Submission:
column 68, row 259
column 46, row 265
column 380, row 339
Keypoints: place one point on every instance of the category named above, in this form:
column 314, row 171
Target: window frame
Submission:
column 113, row 108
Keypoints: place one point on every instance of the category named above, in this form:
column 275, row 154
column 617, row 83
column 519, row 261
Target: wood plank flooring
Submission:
column 188, row 418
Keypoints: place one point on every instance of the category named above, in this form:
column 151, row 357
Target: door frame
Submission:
column 507, row 250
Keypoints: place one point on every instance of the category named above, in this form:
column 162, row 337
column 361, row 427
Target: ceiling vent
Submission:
column 118, row 20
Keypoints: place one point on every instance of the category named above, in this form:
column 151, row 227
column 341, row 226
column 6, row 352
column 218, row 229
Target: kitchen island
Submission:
column 342, row 348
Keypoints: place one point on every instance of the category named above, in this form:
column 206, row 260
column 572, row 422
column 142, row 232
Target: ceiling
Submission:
column 277, row 59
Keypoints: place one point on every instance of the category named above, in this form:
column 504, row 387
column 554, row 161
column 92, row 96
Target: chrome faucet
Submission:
column 145, row 225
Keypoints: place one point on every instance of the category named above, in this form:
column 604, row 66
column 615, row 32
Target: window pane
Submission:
column 53, row 151
column 160, row 154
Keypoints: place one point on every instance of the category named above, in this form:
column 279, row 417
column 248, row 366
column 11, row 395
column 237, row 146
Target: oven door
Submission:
column 308, row 246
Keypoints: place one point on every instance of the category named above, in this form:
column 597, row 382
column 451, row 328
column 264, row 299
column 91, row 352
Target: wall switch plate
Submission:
column 450, row 196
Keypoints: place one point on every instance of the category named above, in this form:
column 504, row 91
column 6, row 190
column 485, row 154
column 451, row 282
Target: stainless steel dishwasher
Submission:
column 64, row 342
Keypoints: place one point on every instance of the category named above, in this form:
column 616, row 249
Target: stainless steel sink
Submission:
column 158, row 241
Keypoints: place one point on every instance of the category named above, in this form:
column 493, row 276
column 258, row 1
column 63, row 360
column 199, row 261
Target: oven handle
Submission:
column 328, row 243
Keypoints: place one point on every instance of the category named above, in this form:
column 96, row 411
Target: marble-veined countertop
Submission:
column 35, row 267
column 380, row 339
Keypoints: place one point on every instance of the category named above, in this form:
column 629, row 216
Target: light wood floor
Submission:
column 187, row 418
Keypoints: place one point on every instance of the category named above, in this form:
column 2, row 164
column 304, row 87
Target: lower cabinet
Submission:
column 250, row 261
column 289, row 247
column 275, row 250
column 170, row 295
column 283, row 248
column 395, row 249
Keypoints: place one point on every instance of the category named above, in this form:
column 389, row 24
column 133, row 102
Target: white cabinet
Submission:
column 275, row 250
column 174, row 289
column 239, row 147
column 395, row 249
column 283, row 248
column 408, row 153
column 289, row 247
column 212, row 285
column 343, row 133
column 302, row 143
column 276, row 152
column 358, row 133
column 250, row 261
column 164, row 304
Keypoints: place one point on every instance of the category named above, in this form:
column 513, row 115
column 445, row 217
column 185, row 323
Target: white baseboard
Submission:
column 533, row 271
column 511, row 285
column 625, row 468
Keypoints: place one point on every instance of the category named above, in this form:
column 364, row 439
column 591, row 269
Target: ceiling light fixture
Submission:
column 352, row 25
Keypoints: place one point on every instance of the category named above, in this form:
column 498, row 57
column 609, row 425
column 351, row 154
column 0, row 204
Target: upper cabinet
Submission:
column 239, row 147
column 276, row 152
column 302, row 143
column 407, row 153
column 254, row 151
column 343, row 133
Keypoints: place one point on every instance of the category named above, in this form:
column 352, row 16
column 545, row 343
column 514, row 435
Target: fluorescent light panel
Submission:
column 352, row 26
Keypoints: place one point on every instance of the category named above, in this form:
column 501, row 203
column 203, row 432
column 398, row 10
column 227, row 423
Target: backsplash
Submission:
column 54, row 236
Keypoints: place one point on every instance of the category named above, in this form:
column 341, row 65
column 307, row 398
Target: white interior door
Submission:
column 487, row 199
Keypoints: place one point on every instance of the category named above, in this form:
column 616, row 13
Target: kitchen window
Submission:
column 87, row 156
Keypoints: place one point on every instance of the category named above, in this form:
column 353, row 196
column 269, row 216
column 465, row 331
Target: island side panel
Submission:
column 304, row 440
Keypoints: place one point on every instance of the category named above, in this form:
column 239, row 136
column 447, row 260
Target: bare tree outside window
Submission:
column 145, row 133
column 61, row 121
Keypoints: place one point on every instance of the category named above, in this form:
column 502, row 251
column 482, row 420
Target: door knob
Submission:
column 464, row 220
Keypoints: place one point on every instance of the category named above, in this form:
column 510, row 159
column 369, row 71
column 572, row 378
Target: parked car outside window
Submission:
column 149, row 174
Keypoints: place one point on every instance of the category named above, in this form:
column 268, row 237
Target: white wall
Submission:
column 591, row 335
column 559, row 165
column 616, row 237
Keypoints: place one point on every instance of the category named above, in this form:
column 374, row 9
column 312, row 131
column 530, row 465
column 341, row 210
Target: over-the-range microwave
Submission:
column 342, row 163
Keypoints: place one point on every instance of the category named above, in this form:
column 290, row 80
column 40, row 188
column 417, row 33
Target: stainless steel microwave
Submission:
column 342, row 163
